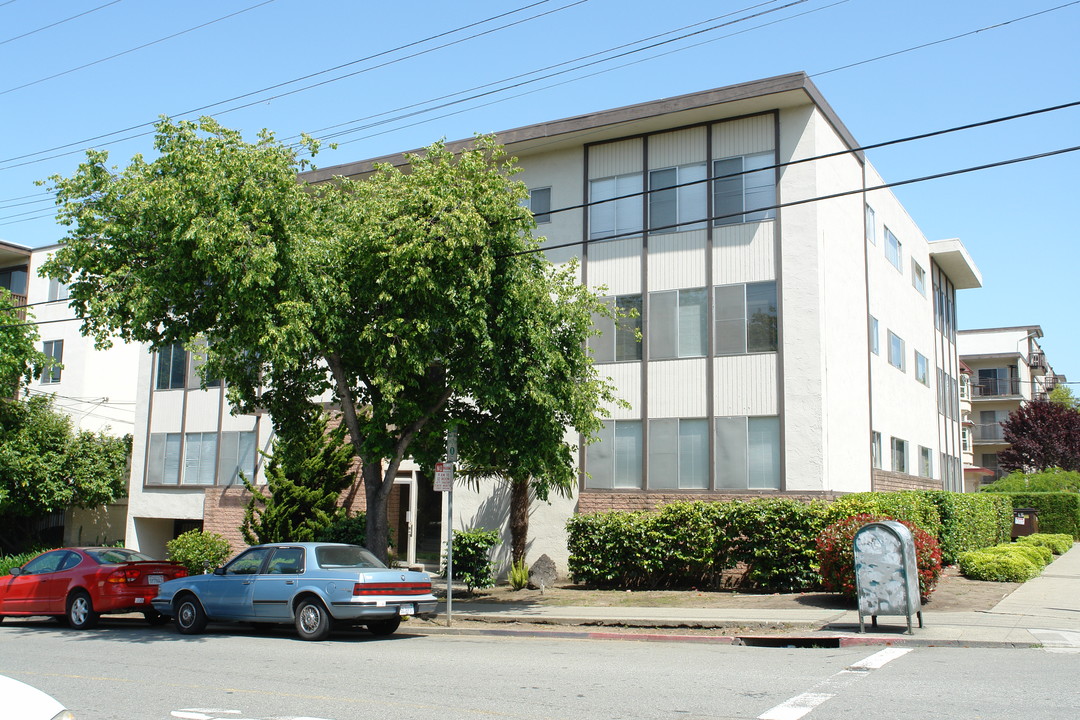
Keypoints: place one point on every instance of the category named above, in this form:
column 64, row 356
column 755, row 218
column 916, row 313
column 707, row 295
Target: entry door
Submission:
column 406, row 522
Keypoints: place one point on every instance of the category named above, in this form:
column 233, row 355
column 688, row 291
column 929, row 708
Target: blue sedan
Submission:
column 312, row 585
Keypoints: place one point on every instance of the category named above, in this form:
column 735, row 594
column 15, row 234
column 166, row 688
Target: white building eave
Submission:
column 953, row 258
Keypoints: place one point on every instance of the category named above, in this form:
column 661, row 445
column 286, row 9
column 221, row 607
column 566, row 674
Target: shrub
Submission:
column 349, row 529
column 198, row 551
column 1051, row 480
column 1009, row 567
column 836, row 557
column 608, row 549
column 1059, row 512
column 909, row 505
column 9, row 561
column 970, row 521
column 1040, row 557
column 519, row 575
column 775, row 538
column 472, row 559
column 1057, row 543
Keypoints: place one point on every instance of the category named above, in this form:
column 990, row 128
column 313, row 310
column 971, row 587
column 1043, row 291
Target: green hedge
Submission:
column 1039, row 556
column 982, row 565
column 1051, row 480
column 970, row 521
column 912, row 505
column 1057, row 543
column 776, row 539
column 1059, row 512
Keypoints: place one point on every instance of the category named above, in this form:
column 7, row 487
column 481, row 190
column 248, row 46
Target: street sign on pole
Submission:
column 444, row 477
column 451, row 445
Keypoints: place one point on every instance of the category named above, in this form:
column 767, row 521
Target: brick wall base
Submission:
column 887, row 481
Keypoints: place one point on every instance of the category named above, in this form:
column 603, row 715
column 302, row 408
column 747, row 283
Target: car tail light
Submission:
column 123, row 576
column 419, row 588
column 180, row 573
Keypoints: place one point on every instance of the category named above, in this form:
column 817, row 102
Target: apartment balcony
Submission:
column 990, row 434
column 19, row 301
column 995, row 388
column 1037, row 363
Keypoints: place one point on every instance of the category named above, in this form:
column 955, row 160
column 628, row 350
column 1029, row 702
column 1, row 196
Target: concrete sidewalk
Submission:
column 1043, row 611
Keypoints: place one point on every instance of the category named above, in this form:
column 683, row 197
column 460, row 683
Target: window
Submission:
column 200, row 453
column 58, row 290
column 918, row 278
column 198, row 359
column 871, row 226
column 742, row 191
column 896, row 351
column 540, row 204
column 171, row 367
column 894, row 250
column 249, row 562
column 899, row 455
column 926, row 462
column 745, row 318
column 875, row 449
column 965, row 439
column 614, row 460
column 990, row 462
column 747, row 453
column 874, row 345
column 55, row 350
column 14, row 280
column 965, row 386
column 922, row 369
column 616, row 217
column 677, row 324
column 675, row 205
column 618, row 338
column 679, row 454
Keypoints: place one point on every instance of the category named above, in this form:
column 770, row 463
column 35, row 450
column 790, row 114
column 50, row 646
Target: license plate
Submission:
column 155, row 579
column 406, row 609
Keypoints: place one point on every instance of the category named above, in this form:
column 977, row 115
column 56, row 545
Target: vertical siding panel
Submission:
column 616, row 158
column 682, row 147
column 677, row 388
column 744, row 253
column 677, row 260
column 745, row 385
column 627, row 380
column 616, row 264
column 743, row 137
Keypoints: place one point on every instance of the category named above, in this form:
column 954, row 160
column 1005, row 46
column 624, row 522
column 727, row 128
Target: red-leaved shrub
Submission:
column 836, row 558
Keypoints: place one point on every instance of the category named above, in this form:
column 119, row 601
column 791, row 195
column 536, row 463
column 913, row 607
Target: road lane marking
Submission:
column 800, row 705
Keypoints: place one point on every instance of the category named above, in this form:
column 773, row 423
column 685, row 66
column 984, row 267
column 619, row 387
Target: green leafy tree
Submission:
column 410, row 297
column 1063, row 395
column 20, row 359
column 305, row 477
column 45, row 465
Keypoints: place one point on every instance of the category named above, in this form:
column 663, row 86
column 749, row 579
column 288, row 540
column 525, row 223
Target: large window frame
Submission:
column 55, row 350
column 618, row 338
column 678, row 324
column 615, row 460
column 679, row 454
column 539, row 204
column 747, row 453
column 678, row 198
column 201, row 459
column 609, row 217
column 745, row 319
column 744, row 188
column 171, row 368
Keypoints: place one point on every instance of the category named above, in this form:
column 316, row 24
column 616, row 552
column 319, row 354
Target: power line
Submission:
column 58, row 22
column 295, row 80
column 711, row 218
column 131, row 50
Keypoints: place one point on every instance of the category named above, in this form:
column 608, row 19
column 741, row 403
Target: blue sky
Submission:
column 1007, row 217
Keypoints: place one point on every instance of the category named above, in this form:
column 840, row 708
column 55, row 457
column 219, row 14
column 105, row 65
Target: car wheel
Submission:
column 384, row 627
column 312, row 620
column 80, row 611
column 190, row 616
column 155, row 618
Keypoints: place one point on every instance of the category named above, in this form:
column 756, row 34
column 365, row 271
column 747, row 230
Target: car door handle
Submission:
column 290, row 582
column 248, row 582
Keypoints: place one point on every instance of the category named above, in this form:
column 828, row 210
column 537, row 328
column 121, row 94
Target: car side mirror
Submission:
column 15, row 571
column 219, row 571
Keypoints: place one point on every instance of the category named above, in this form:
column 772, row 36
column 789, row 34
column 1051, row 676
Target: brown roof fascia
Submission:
column 590, row 122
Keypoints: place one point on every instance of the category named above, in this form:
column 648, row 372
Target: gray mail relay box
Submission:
column 886, row 574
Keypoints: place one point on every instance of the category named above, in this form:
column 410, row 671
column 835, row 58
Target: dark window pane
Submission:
column 761, row 333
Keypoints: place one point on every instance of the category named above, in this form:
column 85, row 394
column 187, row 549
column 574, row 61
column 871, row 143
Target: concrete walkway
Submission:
column 1043, row 611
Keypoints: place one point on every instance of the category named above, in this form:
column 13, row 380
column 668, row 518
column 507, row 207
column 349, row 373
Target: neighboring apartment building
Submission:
column 1008, row 369
column 94, row 387
column 801, row 350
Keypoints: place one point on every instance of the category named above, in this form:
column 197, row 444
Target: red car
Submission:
column 79, row 584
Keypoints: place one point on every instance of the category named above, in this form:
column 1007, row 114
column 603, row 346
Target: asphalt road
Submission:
column 127, row 671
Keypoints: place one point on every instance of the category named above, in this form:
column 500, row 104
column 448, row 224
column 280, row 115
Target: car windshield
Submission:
column 107, row 556
column 336, row 556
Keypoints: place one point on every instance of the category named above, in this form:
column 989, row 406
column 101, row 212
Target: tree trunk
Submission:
column 377, row 524
column 519, row 518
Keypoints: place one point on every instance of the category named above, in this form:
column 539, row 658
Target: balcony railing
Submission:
column 995, row 387
column 19, row 301
column 1037, row 361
